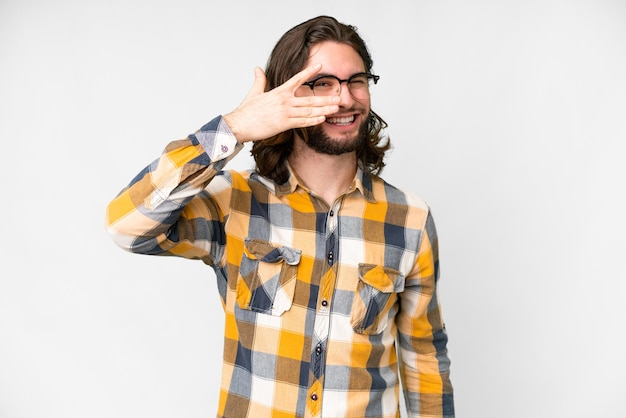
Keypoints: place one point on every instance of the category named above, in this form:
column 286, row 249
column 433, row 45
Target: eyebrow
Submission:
column 320, row 75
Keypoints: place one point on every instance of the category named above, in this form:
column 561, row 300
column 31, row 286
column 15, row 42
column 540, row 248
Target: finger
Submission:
column 305, row 122
column 313, row 111
column 314, row 101
column 304, row 75
column 258, row 87
column 313, row 105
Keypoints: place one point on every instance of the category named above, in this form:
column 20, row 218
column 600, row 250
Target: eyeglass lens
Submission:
column 357, row 84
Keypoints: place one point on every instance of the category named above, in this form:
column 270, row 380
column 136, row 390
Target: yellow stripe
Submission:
column 181, row 156
column 430, row 383
column 119, row 207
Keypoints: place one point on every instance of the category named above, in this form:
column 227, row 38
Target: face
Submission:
column 346, row 130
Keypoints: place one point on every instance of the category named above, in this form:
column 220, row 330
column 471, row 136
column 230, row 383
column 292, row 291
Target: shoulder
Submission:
column 230, row 179
column 402, row 207
column 384, row 191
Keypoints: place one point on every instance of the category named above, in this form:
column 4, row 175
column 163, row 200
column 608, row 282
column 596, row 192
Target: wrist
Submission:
column 231, row 121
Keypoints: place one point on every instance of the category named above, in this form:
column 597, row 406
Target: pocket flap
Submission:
column 264, row 251
column 381, row 278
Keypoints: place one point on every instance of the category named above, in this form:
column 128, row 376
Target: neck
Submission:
column 328, row 176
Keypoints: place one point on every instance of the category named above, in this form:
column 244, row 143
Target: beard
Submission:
column 321, row 142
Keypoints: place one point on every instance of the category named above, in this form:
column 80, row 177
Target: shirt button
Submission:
column 330, row 258
column 332, row 213
column 314, row 397
column 318, row 350
column 324, row 303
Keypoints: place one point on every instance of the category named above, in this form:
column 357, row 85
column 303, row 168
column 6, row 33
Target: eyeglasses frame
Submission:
column 369, row 76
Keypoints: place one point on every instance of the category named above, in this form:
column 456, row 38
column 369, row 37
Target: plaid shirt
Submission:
column 325, row 307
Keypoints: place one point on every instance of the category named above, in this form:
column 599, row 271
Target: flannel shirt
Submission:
column 326, row 307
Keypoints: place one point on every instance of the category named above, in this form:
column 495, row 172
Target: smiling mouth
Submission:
column 346, row 120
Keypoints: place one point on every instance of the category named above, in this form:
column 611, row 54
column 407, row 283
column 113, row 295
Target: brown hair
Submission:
column 290, row 56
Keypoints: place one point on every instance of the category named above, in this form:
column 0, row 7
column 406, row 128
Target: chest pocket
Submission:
column 267, row 277
column 376, row 293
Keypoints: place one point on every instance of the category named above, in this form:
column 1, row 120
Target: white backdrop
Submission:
column 506, row 116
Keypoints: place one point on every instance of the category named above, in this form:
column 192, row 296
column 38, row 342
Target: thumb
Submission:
column 258, row 87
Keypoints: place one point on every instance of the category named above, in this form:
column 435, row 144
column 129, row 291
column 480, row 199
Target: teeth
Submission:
column 345, row 120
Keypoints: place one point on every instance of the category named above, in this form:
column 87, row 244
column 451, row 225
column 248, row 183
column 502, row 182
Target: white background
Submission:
column 506, row 116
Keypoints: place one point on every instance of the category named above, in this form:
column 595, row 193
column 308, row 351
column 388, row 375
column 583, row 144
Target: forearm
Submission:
column 425, row 365
column 155, row 206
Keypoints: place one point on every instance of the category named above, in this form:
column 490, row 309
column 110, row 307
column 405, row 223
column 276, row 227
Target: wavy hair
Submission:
column 289, row 56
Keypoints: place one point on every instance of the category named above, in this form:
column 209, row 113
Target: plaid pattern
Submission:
column 326, row 308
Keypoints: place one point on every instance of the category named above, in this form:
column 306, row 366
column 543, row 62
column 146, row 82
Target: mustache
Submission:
column 317, row 139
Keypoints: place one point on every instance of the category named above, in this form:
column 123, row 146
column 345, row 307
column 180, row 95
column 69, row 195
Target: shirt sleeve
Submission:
column 425, row 366
column 164, row 210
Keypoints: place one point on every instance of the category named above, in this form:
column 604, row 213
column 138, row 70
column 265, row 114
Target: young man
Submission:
column 327, row 273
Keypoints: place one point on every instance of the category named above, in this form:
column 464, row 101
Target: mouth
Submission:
column 341, row 121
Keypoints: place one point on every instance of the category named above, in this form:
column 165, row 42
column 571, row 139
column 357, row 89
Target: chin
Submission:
column 321, row 141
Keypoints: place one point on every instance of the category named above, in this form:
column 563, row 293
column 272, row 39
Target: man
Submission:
column 327, row 274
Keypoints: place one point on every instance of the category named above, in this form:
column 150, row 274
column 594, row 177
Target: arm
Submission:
column 154, row 214
column 164, row 209
column 425, row 366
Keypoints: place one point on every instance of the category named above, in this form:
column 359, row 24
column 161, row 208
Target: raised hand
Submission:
column 264, row 114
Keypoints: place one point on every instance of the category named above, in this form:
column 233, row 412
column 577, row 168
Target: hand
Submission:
column 265, row 114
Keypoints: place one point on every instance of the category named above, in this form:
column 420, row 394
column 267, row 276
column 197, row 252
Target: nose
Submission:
column 344, row 94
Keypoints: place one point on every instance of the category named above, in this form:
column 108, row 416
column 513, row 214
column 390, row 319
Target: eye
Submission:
column 358, row 81
column 325, row 83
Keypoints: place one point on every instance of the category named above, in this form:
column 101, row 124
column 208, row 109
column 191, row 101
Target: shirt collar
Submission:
column 362, row 182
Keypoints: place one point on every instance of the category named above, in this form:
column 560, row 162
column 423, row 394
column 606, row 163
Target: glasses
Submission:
column 330, row 85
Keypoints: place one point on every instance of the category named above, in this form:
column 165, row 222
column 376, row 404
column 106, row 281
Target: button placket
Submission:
column 318, row 350
column 322, row 320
